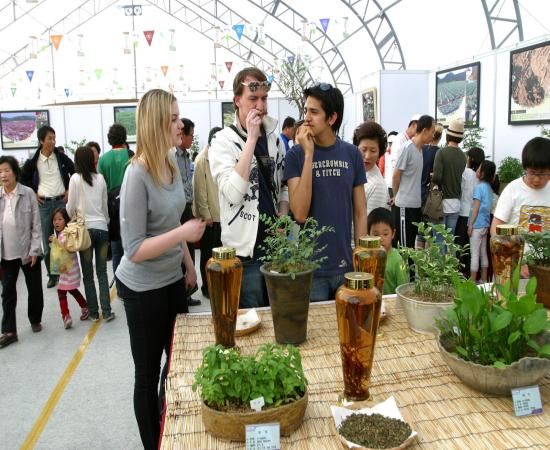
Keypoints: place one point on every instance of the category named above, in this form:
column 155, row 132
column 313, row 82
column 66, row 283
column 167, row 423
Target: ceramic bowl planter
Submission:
column 542, row 274
column 421, row 315
column 491, row 380
column 289, row 301
column 232, row 425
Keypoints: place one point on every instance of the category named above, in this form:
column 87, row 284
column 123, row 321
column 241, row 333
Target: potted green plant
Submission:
column 538, row 260
column 291, row 256
column 229, row 381
column 496, row 344
column 432, row 292
column 510, row 169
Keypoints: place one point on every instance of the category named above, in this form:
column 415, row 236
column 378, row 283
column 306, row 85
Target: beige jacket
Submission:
column 206, row 204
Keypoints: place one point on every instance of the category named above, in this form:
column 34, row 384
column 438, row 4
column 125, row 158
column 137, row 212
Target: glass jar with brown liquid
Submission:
column 506, row 252
column 370, row 257
column 224, row 272
column 358, row 304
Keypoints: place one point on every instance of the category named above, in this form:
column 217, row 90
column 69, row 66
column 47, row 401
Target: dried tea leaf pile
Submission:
column 374, row 431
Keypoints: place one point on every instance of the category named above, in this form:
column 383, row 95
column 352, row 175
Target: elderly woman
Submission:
column 20, row 247
column 371, row 140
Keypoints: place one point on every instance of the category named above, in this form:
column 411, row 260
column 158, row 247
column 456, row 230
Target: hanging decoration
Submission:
column 148, row 74
column 239, row 29
column 171, row 88
column 221, row 83
column 30, row 74
column 229, row 64
column 56, row 39
column 115, row 76
column 126, row 44
column 164, row 69
column 172, row 46
column 98, row 73
column 217, row 31
column 80, row 52
column 324, row 24
column 304, row 30
column 149, row 36
column 270, row 78
column 181, row 73
column 34, row 48
column 291, row 59
column 260, row 35
column 82, row 78
column 67, row 92
column 227, row 35
column 345, row 33
column 13, row 91
column 213, row 74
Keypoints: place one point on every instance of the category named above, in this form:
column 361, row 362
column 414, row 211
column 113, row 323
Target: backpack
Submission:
column 113, row 208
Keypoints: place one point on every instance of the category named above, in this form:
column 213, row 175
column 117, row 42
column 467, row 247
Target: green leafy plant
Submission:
column 473, row 137
column 539, row 249
column 290, row 248
column 194, row 149
column 73, row 145
column 436, row 272
column 544, row 132
column 510, row 168
column 492, row 332
column 229, row 380
column 293, row 79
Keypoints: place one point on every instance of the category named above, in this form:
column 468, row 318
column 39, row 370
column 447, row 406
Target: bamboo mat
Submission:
column 446, row 413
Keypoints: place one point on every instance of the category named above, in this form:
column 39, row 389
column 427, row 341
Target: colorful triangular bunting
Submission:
column 149, row 36
column 229, row 64
column 221, row 83
column 56, row 39
column 30, row 74
column 239, row 29
column 164, row 69
column 324, row 24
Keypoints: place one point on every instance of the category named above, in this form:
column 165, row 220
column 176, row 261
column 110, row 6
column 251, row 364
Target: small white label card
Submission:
column 527, row 401
column 257, row 404
column 265, row 436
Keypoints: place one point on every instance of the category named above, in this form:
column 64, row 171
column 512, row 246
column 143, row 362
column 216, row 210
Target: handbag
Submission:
column 76, row 235
column 433, row 208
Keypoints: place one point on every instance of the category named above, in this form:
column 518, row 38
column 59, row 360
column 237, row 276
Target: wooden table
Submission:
column 446, row 413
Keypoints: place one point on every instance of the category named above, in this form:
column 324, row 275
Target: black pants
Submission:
column 150, row 317
column 188, row 215
column 33, row 280
column 211, row 238
column 461, row 233
column 405, row 230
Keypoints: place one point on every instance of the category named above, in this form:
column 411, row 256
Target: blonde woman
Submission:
column 149, row 278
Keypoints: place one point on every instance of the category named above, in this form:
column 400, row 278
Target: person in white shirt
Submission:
column 370, row 139
column 399, row 143
column 88, row 196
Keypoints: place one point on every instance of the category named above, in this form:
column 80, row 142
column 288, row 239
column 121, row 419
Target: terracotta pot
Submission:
column 542, row 274
column 420, row 315
column 232, row 425
column 289, row 301
column 490, row 380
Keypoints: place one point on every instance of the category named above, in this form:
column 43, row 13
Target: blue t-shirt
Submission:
column 484, row 194
column 336, row 171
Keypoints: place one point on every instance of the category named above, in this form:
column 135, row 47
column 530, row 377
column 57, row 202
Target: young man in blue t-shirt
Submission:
column 325, row 178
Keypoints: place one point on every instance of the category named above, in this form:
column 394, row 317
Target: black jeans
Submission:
column 150, row 317
column 209, row 240
column 33, row 280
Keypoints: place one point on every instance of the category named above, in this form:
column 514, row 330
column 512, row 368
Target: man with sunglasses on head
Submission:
column 326, row 178
column 246, row 161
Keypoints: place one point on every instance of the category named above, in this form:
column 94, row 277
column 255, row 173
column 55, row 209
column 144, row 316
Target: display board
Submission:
column 126, row 116
column 369, row 104
column 228, row 113
column 529, row 97
column 19, row 128
column 457, row 95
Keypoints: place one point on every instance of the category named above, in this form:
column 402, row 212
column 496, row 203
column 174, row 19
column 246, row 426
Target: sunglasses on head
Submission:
column 255, row 85
column 324, row 86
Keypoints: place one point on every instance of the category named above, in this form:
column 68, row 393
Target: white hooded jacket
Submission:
column 239, row 198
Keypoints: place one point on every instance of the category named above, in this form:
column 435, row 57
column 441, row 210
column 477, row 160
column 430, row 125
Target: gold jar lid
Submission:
column 507, row 230
column 369, row 241
column 359, row 280
column 224, row 252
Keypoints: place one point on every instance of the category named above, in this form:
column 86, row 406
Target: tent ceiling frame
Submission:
column 502, row 24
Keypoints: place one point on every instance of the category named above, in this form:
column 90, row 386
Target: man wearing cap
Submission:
column 449, row 164
column 246, row 161
column 399, row 143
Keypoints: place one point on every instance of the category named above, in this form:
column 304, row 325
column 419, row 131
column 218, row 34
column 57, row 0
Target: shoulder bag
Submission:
column 433, row 208
column 76, row 235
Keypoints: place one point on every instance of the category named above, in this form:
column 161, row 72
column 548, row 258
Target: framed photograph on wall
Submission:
column 126, row 116
column 529, row 96
column 19, row 128
column 228, row 113
column 457, row 95
column 369, row 104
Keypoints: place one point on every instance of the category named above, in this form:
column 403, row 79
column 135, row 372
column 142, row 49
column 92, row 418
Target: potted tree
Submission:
column 432, row 292
column 291, row 256
column 538, row 260
column 494, row 345
column 229, row 381
column 510, row 169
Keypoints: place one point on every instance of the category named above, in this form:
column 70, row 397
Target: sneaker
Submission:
column 109, row 317
column 85, row 314
column 36, row 327
column 95, row 318
column 67, row 321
